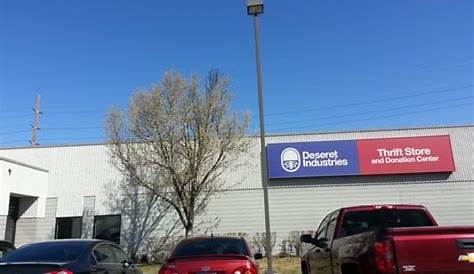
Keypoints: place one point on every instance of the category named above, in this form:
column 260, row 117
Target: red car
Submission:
column 212, row 255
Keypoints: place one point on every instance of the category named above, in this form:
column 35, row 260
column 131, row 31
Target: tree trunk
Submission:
column 188, row 230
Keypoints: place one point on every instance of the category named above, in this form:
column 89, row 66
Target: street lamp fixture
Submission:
column 254, row 7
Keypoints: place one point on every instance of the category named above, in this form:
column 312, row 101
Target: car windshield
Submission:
column 362, row 221
column 47, row 252
column 211, row 247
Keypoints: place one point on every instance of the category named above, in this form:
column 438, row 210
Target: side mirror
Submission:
column 307, row 238
column 258, row 256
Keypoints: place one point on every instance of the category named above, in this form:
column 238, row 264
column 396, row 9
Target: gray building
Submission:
column 60, row 191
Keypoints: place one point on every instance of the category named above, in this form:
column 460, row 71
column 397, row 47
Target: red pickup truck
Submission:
column 387, row 239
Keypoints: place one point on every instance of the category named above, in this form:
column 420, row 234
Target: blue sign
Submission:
column 312, row 159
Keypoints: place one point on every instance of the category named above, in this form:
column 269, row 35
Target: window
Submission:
column 120, row 255
column 321, row 233
column 331, row 227
column 68, row 228
column 104, row 253
column 219, row 246
column 107, row 228
column 362, row 221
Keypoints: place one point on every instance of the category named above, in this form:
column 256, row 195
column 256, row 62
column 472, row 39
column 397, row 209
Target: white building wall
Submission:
column 79, row 171
column 74, row 172
column 19, row 178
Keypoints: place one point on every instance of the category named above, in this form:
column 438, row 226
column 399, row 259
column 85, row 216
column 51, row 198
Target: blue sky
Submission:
column 327, row 65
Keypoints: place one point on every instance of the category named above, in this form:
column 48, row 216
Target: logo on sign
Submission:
column 290, row 159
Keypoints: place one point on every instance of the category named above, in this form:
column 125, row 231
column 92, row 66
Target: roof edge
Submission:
column 365, row 130
column 22, row 164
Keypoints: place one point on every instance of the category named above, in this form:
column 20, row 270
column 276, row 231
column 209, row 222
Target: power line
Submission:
column 73, row 138
column 43, row 140
column 13, row 142
column 402, row 75
column 22, row 109
column 79, row 112
column 14, row 132
column 15, row 116
column 434, row 68
column 373, row 101
column 58, row 126
column 70, row 128
column 375, row 117
column 372, row 111
column 99, row 138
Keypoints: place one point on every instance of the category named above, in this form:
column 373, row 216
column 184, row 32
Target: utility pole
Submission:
column 35, row 127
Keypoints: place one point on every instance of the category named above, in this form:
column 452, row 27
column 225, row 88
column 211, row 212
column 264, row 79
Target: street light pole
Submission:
column 255, row 8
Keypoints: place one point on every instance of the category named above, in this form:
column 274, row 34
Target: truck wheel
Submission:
column 349, row 269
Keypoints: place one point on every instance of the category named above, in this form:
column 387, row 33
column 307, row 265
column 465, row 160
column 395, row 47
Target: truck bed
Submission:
column 424, row 250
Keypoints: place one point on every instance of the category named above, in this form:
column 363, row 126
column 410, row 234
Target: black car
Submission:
column 68, row 257
column 5, row 248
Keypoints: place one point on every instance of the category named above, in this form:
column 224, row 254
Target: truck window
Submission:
column 356, row 222
column 321, row 232
column 331, row 227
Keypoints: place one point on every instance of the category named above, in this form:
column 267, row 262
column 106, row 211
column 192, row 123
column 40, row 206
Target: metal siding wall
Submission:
column 26, row 231
column 3, row 226
column 88, row 212
column 46, row 226
column 238, row 211
column 78, row 171
column 73, row 167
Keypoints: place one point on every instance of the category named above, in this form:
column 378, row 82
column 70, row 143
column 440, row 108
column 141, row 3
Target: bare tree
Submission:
column 185, row 135
column 259, row 242
column 284, row 248
column 159, row 248
column 144, row 214
column 294, row 244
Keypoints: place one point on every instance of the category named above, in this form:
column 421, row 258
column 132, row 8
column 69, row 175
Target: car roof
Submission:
column 385, row 206
column 79, row 242
column 200, row 238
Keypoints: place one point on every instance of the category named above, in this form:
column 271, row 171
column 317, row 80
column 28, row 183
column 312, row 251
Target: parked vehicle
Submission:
column 387, row 239
column 212, row 255
column 68, row 257
column 5, row 248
